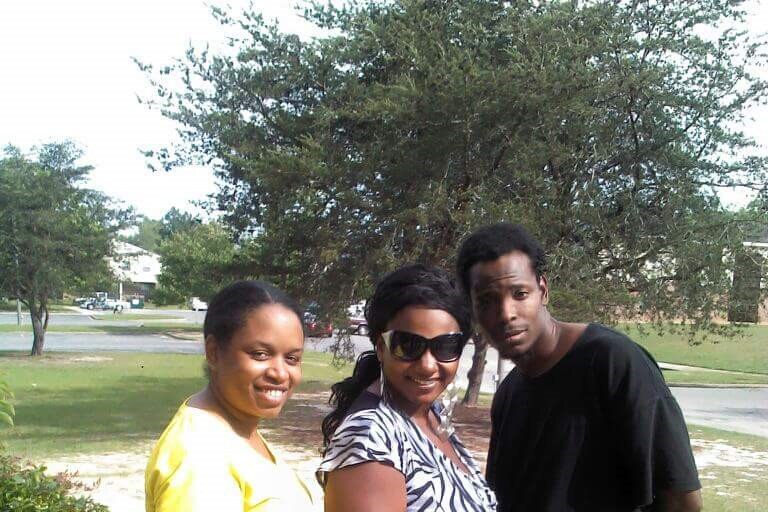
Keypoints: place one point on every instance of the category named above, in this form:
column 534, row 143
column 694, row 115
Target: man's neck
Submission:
column 556, row 340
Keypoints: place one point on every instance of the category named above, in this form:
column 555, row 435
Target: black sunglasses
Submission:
column 407, row 346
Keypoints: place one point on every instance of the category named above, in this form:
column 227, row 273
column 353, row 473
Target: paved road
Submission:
column 738, row 410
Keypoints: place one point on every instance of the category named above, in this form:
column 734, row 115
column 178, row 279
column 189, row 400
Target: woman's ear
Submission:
column 211, row 351
column 380, row 347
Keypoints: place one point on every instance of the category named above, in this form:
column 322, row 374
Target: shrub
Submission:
column 26, row 488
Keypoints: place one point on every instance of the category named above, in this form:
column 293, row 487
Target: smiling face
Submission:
column 416, row 384
column 509, row 303
column 254, row 374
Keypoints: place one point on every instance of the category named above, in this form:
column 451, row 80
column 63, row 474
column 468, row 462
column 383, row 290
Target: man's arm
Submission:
column 677, row 501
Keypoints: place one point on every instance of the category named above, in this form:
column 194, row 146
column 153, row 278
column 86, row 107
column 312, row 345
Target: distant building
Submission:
column 135, row 268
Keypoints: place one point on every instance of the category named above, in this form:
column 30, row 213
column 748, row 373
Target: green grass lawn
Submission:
column 52, row 308
column 741, row 354
column 733, row 486
column 134, row 316
column 694, row 377
column 101, row 402
column 84, row 403
column 149, row 327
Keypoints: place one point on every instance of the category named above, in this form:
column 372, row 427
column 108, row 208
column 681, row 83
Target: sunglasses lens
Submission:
column 447, row 347
column 407, row 346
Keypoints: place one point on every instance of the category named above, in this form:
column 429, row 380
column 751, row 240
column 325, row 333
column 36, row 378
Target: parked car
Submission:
column 314, row 324
column 195, row 304
column 356, row 319
column 104, row 303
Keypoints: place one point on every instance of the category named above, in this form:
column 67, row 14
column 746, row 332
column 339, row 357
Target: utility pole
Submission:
column 18, row 311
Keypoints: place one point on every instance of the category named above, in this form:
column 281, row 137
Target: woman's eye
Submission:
column 260, row 355
column 293, row 359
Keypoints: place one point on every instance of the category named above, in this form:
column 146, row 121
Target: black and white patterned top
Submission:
column 432, row 481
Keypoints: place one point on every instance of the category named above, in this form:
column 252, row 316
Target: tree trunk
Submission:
column 475, row 373
column 38, row 331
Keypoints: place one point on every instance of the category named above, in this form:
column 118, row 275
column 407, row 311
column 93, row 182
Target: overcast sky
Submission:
column 67, row 73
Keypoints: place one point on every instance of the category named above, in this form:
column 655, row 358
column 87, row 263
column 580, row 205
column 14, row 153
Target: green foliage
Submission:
column 176, row 221
column 26, row 488
column 604, row 126
column 54, row 234
column 148, row 235
column 7, row 411
column 197, row 261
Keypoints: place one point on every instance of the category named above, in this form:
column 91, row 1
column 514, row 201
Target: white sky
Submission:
column 66, row 72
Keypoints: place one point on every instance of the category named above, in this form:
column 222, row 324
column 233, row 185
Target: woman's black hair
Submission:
column 228, row 309
column 411, row 285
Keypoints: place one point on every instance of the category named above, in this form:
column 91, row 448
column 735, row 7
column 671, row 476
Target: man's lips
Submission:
column 513, row 334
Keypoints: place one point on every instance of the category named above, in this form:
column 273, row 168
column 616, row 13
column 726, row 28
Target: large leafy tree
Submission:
column 604, row 126
column 54, row 233
column 196, row 261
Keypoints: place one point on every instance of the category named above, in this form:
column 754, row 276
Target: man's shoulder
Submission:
column 613, row 344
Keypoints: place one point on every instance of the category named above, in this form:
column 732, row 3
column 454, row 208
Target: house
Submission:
column 136, row 269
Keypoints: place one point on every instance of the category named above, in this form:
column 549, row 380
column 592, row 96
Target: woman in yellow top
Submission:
column 211, row 456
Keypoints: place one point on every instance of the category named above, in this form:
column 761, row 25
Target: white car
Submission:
column 195, row 304
column 116, row 305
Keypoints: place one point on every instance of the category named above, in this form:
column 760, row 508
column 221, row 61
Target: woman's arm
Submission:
column 370, row 486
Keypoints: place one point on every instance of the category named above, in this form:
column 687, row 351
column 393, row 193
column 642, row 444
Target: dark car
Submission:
column 314, row 323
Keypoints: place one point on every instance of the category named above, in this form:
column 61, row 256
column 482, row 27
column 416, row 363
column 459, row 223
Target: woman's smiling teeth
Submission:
column 424, row 382
column 273, row 394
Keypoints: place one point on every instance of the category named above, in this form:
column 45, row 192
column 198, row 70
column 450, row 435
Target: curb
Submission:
column 183, row 336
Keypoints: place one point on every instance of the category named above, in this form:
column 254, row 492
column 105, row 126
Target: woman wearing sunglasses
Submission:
column 386, row 447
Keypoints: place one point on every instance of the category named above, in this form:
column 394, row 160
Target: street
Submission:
column 737, row 409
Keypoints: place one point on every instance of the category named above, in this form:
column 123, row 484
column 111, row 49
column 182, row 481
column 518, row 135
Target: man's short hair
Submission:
column 490, row 242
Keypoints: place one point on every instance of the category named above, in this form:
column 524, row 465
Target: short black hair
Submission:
column 229, row 308
column 493, row 241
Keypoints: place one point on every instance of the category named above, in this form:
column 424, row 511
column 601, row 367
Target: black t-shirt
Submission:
column 600, row 431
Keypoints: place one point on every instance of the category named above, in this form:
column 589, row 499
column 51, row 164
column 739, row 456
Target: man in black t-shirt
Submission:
column 585, row 421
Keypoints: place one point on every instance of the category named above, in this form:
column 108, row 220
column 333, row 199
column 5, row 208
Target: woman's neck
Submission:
column 244, row 425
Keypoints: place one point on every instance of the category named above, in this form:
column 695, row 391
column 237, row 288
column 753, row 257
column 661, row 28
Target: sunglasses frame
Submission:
column 426, row 344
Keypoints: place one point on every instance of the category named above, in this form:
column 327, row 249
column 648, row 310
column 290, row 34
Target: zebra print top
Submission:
column 432, row 481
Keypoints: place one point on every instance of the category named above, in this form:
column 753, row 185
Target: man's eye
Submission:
column 294, row 359
column 521, row 294
column 260, row 355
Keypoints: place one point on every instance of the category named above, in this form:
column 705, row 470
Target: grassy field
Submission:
column 134, row 316
column 748, row 353
column 52, row 308
column 149, row 327
column 85, row 403
column 696, row 378
column 100, row 402
column 737, row 484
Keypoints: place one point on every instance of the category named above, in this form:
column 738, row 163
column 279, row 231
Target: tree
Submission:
column 54, row 234
column 175, row 221
column 604, row 126
column 196, row 261
column 147, row 235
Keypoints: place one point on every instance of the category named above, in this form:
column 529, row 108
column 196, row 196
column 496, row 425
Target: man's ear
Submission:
column 211, row 351
column 544, row 286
